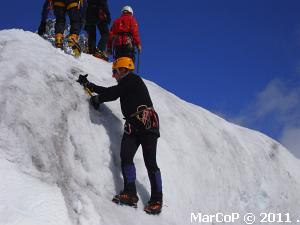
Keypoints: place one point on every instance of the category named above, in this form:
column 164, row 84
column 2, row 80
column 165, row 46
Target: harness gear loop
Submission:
column 147, row 116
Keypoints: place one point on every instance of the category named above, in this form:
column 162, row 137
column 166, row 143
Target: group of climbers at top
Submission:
column 121, row 40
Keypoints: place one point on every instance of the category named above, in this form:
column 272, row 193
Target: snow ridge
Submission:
column 59, row 158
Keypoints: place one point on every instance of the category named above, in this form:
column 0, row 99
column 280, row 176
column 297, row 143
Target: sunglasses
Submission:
column 117, row 71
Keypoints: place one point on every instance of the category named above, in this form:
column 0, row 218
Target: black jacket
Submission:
column 133, row 93
column 131, row 90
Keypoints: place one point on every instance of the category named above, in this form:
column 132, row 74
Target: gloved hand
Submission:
column 94, row 100
column 82, row 80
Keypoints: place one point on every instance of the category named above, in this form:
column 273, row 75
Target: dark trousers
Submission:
column 60, row 15
column 124, row 51
column 129, row 146
column 104, row 32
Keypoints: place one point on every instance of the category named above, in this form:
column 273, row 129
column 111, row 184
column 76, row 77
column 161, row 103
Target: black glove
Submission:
column 94, row 100
column 42, row 28
column 82, row 80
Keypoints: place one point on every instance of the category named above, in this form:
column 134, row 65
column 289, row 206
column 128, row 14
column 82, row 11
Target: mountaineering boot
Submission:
column 125, row 198
column 73, row 43
column 58, row 40
column 153, row 207
column 128, row 195
column 73, row 38
column 100, row 54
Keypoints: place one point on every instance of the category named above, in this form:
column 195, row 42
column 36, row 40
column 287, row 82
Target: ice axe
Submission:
column 88, row 91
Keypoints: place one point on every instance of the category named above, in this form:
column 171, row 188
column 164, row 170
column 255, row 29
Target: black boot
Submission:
column 128, row 196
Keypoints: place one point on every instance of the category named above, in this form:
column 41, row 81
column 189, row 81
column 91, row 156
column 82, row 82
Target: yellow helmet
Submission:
column 124, row 62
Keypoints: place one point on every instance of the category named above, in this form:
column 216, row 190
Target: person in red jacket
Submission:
column 124, row 36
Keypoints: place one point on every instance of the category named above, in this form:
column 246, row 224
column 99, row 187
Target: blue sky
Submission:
column 237, row 58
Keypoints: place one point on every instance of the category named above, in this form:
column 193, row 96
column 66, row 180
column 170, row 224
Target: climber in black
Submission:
column 141, row 128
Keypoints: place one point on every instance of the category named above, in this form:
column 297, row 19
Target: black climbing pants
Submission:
column 61, row 7
column 104, row 32
column 129, row 146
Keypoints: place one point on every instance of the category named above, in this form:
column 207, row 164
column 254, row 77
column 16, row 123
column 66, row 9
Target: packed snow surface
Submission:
column 59, row 158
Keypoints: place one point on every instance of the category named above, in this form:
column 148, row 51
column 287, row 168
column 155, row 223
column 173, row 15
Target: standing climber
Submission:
column 97, row 15
column 124, row 36
column 71, row 7
column 141, row 128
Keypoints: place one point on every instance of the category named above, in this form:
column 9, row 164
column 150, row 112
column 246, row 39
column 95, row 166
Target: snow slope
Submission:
column 59, row 158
